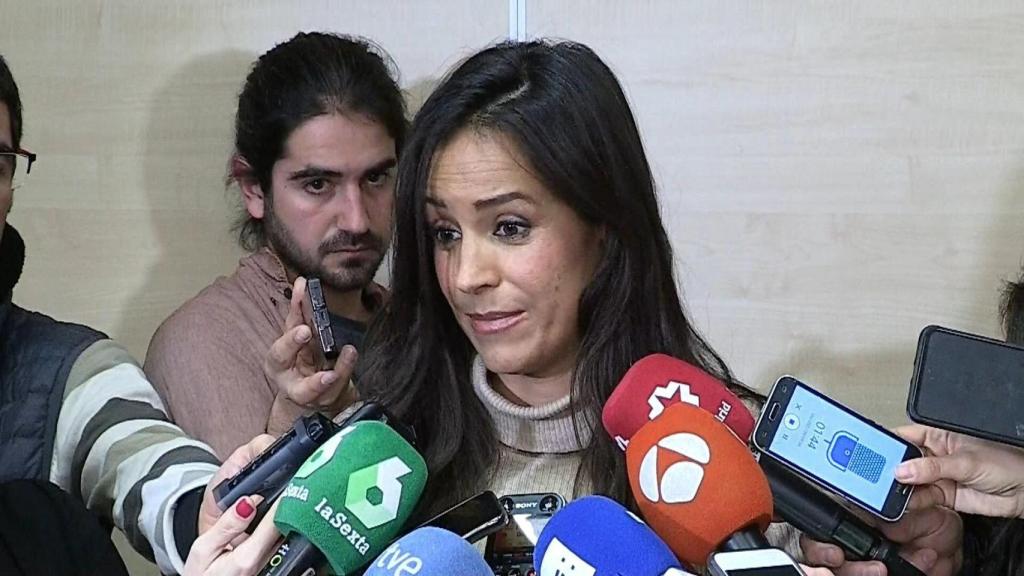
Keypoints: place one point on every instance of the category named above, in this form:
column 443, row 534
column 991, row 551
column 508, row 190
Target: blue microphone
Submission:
column 429, row 551
column 595, row 536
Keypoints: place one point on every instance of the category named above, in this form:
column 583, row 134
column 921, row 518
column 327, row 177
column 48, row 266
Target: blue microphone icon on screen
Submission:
column 849, row 455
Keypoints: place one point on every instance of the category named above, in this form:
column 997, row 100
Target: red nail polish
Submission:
column 244, row 509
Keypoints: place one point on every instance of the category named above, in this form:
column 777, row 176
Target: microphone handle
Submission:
column 296, row 557
column 746, row 539
column 821, row 518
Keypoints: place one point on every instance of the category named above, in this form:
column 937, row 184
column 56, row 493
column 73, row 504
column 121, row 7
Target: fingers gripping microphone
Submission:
column 815, row 514
column 595, row 536
column 347, row 501
column 697, row 487
column 429, row 551
column 657, row 381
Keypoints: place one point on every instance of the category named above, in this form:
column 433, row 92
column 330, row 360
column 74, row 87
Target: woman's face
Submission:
column 512, row 259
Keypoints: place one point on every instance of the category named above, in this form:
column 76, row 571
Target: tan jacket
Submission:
column 206, row 359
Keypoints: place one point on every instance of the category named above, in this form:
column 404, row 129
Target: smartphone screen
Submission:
column 970, row 384
column 832, row 445
column 769, row 562
column 765, row 571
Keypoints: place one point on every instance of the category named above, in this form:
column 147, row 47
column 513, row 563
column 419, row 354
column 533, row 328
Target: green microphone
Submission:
column 347, row 501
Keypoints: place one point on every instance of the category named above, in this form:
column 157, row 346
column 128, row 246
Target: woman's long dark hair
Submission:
column 995, row 546
column 565, row 111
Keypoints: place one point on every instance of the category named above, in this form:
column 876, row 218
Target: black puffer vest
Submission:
column 36, row 355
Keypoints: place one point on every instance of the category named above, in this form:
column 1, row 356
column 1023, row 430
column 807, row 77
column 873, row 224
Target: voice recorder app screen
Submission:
column 837, row 448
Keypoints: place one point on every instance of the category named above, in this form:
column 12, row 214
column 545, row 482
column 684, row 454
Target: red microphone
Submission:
column 657, row 381
column 696, row 486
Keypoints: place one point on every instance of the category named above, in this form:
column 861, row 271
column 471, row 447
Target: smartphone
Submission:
column 327, row 350
column 767, row 562
column 509, row 551
column 834, row 447
column 968, row 383
column 473, row 518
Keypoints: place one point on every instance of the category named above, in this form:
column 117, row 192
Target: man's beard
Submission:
column 343, row 279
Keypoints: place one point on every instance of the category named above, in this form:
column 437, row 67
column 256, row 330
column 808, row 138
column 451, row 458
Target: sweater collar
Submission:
column 544, row 429
column 12, row 261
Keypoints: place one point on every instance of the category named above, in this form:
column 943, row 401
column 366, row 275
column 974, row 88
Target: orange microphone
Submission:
column 696, row 486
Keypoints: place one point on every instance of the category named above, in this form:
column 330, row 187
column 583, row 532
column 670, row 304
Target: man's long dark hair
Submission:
column 564, row 110
column 311, row 74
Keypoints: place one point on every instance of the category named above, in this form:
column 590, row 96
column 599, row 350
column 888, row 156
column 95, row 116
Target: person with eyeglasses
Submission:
column 85, row 442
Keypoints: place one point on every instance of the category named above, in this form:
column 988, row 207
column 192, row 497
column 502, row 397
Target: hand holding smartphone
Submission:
column 301, row 369
column 834, row 447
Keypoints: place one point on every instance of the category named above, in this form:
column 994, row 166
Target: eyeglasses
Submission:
column 9, row 164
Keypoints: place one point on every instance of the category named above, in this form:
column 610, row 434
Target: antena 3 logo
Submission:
column 681, row 480
column 667, row 392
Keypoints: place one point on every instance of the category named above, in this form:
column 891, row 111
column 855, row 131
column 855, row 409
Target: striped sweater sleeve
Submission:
column 118, row 452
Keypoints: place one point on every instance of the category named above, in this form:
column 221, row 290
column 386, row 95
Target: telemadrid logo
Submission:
column 681, row 480
column 667, row 392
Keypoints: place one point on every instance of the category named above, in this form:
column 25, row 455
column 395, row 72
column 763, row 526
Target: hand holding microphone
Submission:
column 209, row 511
column 820, row 517
column 226, row 550
column 967, row 474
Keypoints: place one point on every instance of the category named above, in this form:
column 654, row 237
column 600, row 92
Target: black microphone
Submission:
column 815, row 514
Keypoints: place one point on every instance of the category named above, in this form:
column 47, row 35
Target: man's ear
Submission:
column 252, row 193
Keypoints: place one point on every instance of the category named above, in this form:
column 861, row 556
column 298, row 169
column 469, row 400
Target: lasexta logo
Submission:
column 681, row 480
column 379, row 481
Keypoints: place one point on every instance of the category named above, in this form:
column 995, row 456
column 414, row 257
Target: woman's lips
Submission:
column 494, row 322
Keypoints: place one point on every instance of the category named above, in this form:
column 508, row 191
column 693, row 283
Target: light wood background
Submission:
column 835, row 176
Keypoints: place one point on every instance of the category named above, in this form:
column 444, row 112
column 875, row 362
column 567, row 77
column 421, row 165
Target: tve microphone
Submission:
column 657, row 381
column 815, row 514
column 347, row 501
column 595, row 535
column 429, row 551
column 697, row 487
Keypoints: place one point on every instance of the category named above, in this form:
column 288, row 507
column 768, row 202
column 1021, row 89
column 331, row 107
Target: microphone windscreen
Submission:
column 429, row 551
column 657, row 381
column 353, row 495
column 595, row 535
column 694, row 483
